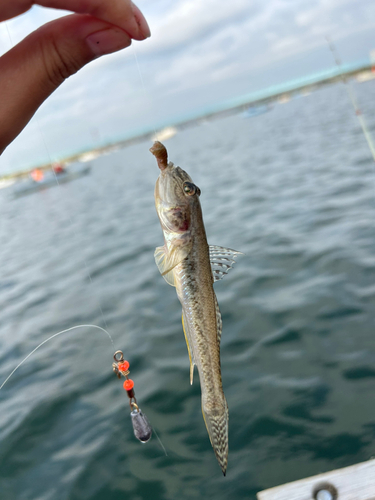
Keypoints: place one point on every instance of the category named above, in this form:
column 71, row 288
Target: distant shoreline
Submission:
column 362, row 73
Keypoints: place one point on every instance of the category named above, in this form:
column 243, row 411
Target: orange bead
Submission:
column 124, row 366
column 128, row 385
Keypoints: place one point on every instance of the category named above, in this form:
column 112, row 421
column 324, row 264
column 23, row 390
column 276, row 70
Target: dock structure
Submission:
column 356, row 482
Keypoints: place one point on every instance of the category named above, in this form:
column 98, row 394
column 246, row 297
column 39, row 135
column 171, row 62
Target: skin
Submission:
column 178, row 207
column 57, row 50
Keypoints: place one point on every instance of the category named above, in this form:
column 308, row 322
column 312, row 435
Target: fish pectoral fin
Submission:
column 167, row 260
column 169, row 278
column 222, row 260
column 191, row 357
column 169, row 275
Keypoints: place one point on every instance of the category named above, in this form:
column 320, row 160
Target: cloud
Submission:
column 199, row 53
column 193, row 22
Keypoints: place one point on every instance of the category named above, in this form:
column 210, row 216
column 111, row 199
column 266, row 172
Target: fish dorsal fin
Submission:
column 166, row 260
column 222, row 260
column 185, row 326
column 219, row 322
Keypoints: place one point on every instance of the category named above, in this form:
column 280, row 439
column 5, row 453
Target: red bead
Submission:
column 128, row 385
column 124, row 366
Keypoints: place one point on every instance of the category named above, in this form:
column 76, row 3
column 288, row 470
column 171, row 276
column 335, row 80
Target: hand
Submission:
column 34, row 68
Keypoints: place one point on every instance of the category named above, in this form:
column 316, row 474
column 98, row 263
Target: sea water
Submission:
column 294, row 190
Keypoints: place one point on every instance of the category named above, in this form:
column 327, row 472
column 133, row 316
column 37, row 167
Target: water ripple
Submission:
column 294, row 190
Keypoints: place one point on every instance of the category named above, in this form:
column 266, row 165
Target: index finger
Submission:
column 121, row 13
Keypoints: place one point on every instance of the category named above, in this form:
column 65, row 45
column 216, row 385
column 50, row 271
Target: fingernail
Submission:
column 144, row 27
column 146, row 30
column 108, row 41
column 141, row 21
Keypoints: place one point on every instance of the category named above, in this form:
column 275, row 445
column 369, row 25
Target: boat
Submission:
column 254, row 110
column 4, row 183
column 91, row 155
column 40, row 180
column 164, row 134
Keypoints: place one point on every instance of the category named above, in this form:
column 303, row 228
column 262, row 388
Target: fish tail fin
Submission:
column 217, row 427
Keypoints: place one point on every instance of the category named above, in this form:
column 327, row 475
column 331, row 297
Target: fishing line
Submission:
column 139, row 69
column 352, row 97
column 10, row 38
column 161, row 444
column 50, row 338
column 145, row 91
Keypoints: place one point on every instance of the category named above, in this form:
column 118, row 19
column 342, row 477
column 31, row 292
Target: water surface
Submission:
column 294, row 189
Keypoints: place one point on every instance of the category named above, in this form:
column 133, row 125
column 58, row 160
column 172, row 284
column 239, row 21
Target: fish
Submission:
column 188, row 263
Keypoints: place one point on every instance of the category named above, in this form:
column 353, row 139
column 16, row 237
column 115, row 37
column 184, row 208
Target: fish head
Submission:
column 176, row 196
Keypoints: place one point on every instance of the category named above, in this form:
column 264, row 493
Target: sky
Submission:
column 201, row 53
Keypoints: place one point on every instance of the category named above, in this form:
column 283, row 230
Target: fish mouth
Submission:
column 161, row 154
column 169, row 188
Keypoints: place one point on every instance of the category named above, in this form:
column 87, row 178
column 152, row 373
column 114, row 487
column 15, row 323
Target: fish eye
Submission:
column 190, row 188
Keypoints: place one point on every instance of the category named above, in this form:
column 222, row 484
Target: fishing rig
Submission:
column 141, row 427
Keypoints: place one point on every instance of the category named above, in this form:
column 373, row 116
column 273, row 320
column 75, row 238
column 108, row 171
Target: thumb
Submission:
column 35, row 67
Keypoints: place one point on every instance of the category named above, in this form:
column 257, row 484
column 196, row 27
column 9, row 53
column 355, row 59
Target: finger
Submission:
column 141, row 21
column 122, row 13
column 35, row 67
